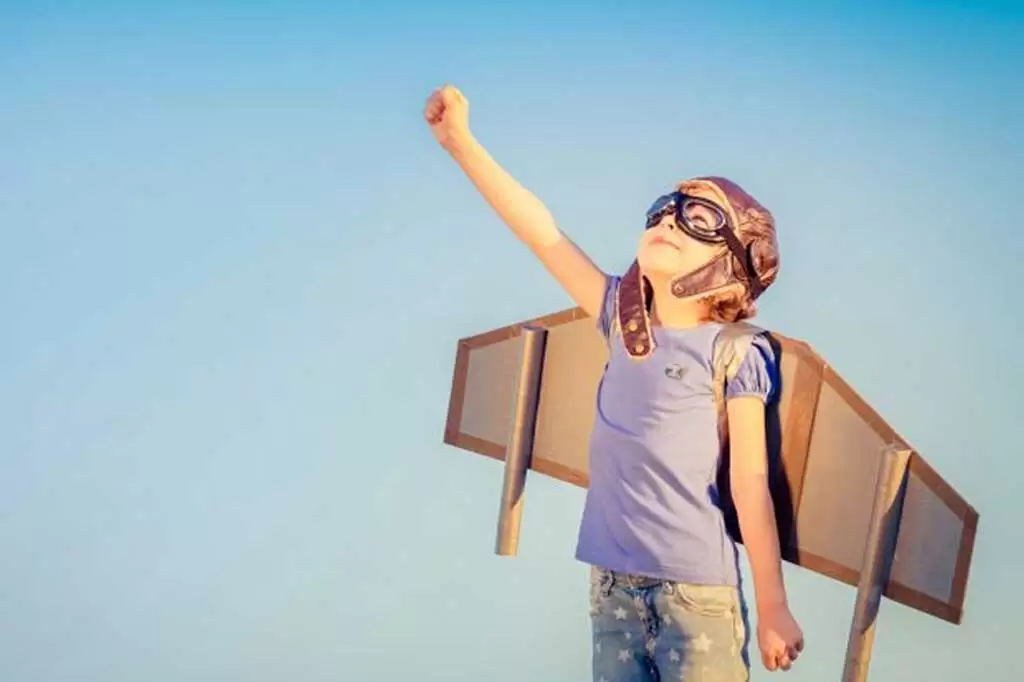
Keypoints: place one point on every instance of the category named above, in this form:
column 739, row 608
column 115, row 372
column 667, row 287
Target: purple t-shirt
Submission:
column 651, row 506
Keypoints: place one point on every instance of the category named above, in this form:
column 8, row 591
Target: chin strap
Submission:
column 710, row 277
column 633, row 313
column 720, row 272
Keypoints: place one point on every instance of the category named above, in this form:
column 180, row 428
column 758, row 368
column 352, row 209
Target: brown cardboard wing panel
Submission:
column 935, row 540
column 934, row 547
column 574, row 358
column 930, row 531
column 789, row 365
column 490, row 388
column 484, row 384
column 839, row 484
column 789, row 433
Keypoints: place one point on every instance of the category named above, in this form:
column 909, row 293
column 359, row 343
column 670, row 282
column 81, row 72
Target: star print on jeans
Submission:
column 702, row 643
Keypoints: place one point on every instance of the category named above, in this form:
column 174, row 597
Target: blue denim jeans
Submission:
column 648, row 630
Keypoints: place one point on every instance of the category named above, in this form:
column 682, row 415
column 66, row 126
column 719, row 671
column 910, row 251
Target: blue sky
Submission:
column 234, row 266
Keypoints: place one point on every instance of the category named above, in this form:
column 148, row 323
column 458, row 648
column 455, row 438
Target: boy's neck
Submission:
column 675, row 313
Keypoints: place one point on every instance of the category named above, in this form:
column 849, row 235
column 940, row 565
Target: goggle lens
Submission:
column 699, row 218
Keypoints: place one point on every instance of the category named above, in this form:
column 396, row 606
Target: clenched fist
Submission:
column 779, row 638
column 447, row 113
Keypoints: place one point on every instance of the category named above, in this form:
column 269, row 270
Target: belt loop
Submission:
column 607, row 582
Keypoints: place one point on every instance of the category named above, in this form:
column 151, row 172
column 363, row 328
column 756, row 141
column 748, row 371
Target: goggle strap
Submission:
column 743, row 256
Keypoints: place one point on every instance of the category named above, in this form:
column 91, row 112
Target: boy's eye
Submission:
column 702, row 218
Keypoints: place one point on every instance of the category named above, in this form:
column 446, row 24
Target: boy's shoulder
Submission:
column 732, row 343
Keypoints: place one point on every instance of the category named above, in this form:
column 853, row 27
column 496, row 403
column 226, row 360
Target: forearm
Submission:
column 527, row 217
column 761, row 538
column 525, row 214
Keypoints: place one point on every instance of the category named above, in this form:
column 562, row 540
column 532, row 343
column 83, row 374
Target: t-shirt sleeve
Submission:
column 606, row 320
column 758, row 373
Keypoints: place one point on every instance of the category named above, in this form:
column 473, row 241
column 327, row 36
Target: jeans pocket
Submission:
column 717, row 611
column 715, row 601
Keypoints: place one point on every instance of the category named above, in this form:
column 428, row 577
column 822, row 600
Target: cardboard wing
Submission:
column 826, row 445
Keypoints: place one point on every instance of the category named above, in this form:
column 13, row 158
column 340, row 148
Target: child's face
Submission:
column 666, row 251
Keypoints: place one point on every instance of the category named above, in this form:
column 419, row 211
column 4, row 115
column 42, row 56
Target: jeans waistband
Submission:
column 627, row 580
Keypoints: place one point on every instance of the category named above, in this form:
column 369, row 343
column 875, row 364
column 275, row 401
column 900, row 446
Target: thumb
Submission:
column 451, row 96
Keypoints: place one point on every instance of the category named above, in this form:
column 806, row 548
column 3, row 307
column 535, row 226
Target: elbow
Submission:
column 740, row 478
column 749, row 489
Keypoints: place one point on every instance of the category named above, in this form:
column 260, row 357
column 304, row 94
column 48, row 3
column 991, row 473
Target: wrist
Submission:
column 771, row 605
column 459, row 144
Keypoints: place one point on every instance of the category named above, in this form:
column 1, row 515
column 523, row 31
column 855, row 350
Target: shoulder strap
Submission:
column 730, row 348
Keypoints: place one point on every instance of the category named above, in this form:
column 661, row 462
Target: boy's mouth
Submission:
column 662, row 240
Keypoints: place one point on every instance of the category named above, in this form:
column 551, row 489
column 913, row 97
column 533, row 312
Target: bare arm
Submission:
column 525, row 215
column 749, row 480
column 779, row 636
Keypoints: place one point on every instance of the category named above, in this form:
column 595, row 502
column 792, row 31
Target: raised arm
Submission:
column 447, row 113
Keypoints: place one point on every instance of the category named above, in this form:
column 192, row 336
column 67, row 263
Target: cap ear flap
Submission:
column 758, row 229
column 633, row 311
column 764, row 256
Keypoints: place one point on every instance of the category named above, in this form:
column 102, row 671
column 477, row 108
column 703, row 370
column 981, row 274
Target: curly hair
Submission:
column 730, row 306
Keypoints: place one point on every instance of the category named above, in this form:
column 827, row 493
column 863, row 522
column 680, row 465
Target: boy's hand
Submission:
column 447, row 114
column 779, row 638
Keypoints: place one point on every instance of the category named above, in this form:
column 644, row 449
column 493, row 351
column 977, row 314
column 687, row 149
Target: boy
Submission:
column 665, row 588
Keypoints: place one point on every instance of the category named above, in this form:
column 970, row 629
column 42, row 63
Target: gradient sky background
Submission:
column 234, row 267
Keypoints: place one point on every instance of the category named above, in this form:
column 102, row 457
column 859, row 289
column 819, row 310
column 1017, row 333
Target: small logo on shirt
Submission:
column 675, row 372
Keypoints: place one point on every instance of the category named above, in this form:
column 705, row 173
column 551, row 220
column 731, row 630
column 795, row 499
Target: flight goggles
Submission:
column 691, row 221
column 711, row 227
